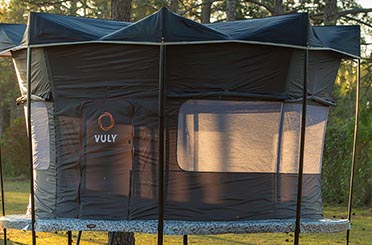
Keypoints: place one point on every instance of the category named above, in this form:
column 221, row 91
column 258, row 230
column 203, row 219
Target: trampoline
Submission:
column 170, row 126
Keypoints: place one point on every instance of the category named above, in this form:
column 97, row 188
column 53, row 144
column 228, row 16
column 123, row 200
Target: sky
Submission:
column 365, row 3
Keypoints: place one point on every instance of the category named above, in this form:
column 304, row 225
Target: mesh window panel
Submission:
column 228, row 136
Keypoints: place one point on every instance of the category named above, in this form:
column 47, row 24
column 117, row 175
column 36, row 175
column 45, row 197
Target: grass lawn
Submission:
column 16, row 198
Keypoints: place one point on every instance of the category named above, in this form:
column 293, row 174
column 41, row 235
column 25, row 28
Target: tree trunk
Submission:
column 230, row 10
column 173, row 6
column 330, row 12
column 85, row 7
column 206, row 11
column 122, row 238
column 278, row 7
column 120, row 10
column 73, row 7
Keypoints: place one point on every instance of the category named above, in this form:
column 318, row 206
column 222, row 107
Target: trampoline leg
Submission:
column 78, row 238
column 69, row 238
column 111, row 238
column 185, row 238
column 4, row 236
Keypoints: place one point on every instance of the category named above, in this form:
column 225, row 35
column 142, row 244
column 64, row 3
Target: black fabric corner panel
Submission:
column 256, row 70
column 226, row 196
column 106, row 77
column 244, row 68
column 40, row 85
column 219, row 196
column 103, row 71
column 311, row 206
column 144, row 194
column 239, row 196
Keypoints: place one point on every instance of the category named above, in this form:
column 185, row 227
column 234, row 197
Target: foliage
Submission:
column 16, row 10
column 8, row 94
column 339, row 140
column 15, row 150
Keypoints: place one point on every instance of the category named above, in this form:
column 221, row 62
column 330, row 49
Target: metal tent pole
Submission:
column 302, row 150
column 185, row 239
column 2, row 193
column 69, row 237
column 111, row 238
column 161, row 143
column 352, row 171
column 78, row 238
column 29, row 59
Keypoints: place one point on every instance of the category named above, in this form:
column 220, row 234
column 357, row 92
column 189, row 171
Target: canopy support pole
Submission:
column 185, row 239
column 69, row 237
column 78, row 238
column 161, row 143
column 352, row 170
column 29, row 59
column 302, row 150
column 2, row 193
column 111, row 238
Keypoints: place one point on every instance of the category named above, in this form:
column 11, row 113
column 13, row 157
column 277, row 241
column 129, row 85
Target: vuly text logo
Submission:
column 106, row 122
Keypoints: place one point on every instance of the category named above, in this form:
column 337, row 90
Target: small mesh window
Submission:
column 40, row 135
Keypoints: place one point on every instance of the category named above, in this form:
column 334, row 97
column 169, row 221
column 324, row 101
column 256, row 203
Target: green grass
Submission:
column 17, row 193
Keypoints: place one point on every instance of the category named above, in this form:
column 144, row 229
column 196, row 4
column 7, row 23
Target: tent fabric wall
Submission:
column 101, row 79
column 87, row 81
column 43, row 130
column 267, row 73
column 43, row 149
column 40, row 85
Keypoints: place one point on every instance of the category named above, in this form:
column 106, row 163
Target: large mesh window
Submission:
column 243, row 136
column 316, row 120
column 222, row 135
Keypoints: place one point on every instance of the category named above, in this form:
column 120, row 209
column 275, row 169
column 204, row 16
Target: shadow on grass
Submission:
column 9, row 242
column 229, row 241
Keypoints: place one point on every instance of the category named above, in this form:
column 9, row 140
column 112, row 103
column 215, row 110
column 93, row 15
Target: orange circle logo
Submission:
column 110, row 117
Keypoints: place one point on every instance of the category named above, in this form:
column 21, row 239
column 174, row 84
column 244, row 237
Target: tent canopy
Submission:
column 231, row 115
column 10, row 36
column 292, row 30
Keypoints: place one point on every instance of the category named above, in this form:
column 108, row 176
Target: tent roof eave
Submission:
column 5, row 53
column 186, row 43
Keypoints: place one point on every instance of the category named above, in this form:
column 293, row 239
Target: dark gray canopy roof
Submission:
column 292, row 30
column 10, row 36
